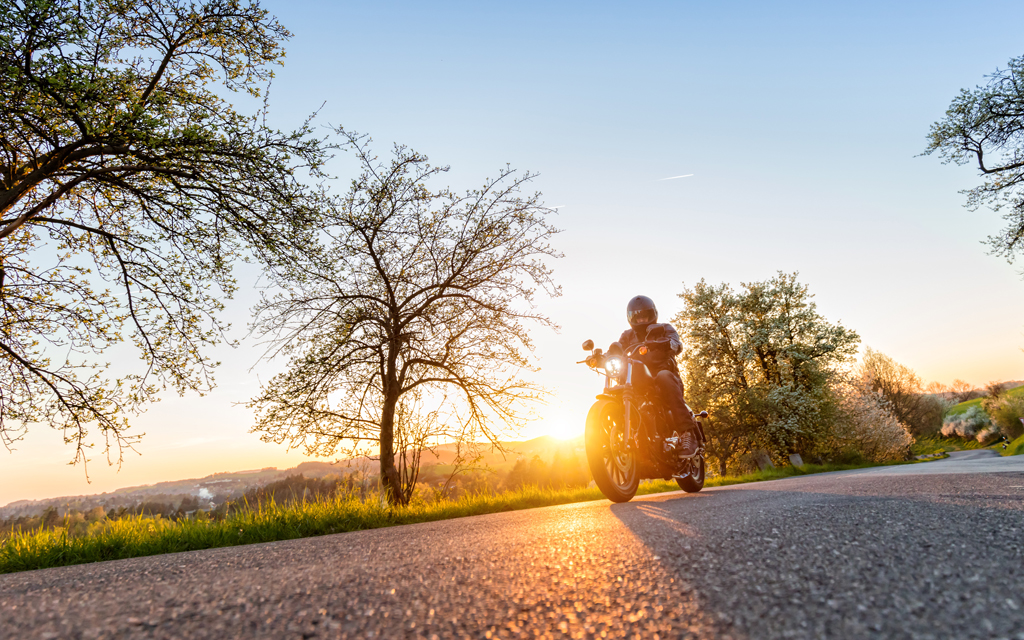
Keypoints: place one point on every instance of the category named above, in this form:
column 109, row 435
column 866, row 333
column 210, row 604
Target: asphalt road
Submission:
column 934, row 550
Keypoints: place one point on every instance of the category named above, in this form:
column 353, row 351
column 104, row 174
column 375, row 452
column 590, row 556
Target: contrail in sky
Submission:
column 674, row 177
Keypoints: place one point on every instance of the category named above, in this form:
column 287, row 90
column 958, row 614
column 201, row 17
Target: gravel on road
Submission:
column 878, row 554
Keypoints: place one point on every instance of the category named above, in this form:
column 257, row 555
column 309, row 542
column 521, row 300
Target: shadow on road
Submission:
column 915, row 556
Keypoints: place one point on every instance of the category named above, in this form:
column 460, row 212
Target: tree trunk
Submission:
column 390, row 479
column 721, row 467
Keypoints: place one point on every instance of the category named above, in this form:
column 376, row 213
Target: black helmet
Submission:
column 641, row 312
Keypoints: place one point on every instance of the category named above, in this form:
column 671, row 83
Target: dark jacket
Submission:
column 657, row 359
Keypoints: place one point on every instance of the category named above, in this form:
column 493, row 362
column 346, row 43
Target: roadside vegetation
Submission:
column 995, row 415
column 986, row 417
column 133, row 536
column 1014, row 448
column 297, row 506
column 401, row 307
column 936, row 443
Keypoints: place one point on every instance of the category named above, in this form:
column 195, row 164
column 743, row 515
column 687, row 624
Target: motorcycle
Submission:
column 625, row 439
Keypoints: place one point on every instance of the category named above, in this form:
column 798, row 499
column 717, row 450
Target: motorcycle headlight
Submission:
column 613, row 366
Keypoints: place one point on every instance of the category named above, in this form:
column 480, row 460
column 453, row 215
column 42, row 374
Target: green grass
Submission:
column 935, row 443
column 957, row 409
column 1015, row 448
column 143, row 536
column 133, row 537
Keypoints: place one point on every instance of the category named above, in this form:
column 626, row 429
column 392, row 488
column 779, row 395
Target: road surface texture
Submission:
column 932, row 550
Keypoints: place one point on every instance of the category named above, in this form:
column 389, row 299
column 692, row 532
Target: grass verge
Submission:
column 138, row 536
column 1014, row 448
column 935, row 443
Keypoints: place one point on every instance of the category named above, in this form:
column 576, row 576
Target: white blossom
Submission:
column 869, row 425
column 966, row 424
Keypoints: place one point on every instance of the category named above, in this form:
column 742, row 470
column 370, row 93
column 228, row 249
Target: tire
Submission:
column 695, row 481
column 614, row 468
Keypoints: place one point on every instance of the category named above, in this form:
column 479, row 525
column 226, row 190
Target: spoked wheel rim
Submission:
column 696, row 467
column 692, row 478
column 618, row 460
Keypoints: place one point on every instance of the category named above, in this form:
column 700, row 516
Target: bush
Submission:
column 966, row 424
column 931, row 410
column 868, row 428
column 987, row 436
column 921, row 413
column 1006, row 414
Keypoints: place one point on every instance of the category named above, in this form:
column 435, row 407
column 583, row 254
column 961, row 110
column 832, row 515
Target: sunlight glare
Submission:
column 564, row 430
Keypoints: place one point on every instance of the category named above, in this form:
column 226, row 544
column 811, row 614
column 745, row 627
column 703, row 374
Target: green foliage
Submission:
column 985, row 126
column 122, row 167
column 762, row 362
column 967, row 424
column 787, row 471
column 136, row 536
column 866, row 427
column 936, row 443
column 921, row 413
column 1006, row 414
column 1015, row 448
column 408, row 323
column 299, row 488
column 962, row 407
column 1008, row 404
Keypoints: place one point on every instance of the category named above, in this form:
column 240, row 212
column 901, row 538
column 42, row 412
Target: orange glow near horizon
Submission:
column 565, row 431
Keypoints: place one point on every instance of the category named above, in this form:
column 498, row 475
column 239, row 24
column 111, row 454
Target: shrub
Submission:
column 966, row 424
column 1006, row 415
column 988, row 435
column 931, row 410
column 920, row 412
column 995, row 389
column 868, row 428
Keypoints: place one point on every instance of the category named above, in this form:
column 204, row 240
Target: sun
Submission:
column 564, row 430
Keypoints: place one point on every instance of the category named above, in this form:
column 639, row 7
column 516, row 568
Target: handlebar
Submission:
column 641, row 347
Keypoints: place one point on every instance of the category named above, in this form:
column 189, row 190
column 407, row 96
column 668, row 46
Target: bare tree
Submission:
column 901, row 386
column 961, row 390
column 936, row 388
column 994, row 389
column 411, row 291
column 120, row 166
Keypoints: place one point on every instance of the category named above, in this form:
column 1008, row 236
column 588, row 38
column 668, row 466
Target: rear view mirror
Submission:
column 588, row 345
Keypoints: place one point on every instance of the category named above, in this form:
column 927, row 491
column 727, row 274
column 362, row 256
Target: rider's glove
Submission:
column 663, row 346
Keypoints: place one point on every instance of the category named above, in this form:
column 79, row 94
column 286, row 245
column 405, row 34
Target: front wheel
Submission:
column 693, row 482
column 612, row 463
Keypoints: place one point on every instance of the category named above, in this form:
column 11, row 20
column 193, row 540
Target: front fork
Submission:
column 627, row 403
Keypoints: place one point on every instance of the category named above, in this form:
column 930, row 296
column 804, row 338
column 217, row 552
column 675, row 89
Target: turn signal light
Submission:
column 642, row 351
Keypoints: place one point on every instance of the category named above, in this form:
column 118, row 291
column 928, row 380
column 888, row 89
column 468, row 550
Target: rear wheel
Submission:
column 612, row 463
column 694, row 482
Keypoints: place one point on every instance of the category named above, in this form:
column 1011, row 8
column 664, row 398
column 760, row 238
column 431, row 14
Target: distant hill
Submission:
column 1014, row 388
column 218, row 487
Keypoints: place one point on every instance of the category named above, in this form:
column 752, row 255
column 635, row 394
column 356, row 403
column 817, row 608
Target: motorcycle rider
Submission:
column 663, row 345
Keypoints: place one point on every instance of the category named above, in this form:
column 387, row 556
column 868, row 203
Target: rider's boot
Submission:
column 671, row 391
column 688, row 444
column 672, row 442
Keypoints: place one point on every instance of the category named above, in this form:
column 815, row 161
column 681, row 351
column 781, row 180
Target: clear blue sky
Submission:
column 800, row 122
